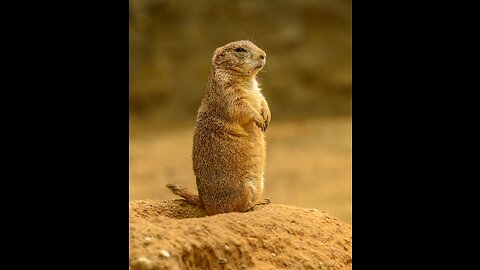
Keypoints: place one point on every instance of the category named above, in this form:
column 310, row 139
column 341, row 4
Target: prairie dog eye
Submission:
column 240, row 49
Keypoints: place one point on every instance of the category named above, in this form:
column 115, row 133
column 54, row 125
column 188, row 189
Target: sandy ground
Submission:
column 177, row 235
column 309, row 163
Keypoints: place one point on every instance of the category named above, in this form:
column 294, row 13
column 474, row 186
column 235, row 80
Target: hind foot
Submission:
column 263, row 202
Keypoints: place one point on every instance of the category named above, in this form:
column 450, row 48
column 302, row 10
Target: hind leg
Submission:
column 255, row 190
column 259, row 201
column 235, row 198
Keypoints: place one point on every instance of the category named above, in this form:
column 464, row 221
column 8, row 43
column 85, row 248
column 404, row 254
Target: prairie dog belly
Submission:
column 253, row 94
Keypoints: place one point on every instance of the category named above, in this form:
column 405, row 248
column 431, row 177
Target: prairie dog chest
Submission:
column 253, row 94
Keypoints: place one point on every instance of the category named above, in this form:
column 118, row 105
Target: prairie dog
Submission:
column 229, row 143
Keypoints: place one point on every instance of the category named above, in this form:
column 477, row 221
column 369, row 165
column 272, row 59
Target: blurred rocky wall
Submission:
column 308, row 45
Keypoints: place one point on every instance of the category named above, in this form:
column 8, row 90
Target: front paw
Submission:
column 262, row 124
column 266, row 118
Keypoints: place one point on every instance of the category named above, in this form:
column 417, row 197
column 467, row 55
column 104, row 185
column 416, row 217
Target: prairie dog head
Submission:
column 240, row 58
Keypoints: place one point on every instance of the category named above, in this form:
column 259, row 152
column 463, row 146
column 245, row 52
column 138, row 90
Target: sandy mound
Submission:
column 177, row 235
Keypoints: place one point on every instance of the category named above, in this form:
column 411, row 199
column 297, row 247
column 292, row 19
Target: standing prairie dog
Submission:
column 229, row 144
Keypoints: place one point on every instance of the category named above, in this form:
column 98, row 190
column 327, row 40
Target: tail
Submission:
column 182, row 191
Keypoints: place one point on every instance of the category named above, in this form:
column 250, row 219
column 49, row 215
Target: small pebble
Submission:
column 147, row 240
column 144, row 263
column 222, row 261
column 273, row 254
column 164, row 253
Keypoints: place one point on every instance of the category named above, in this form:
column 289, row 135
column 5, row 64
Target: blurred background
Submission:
column 307, row 81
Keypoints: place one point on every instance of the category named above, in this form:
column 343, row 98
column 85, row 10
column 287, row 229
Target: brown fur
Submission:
column 229, row 144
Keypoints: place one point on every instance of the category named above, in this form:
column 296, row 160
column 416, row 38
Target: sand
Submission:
column 174, row 234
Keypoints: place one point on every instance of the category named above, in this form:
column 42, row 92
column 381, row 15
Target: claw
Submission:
column 261, row 125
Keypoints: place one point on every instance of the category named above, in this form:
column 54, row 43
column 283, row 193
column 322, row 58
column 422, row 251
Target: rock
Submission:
column 164, row 253
column 142, row 263
column 147, row 240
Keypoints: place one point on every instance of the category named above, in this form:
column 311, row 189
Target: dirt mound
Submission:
column 177, row 235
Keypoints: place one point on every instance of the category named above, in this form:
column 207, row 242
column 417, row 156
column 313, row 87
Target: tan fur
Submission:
column 229, row 144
